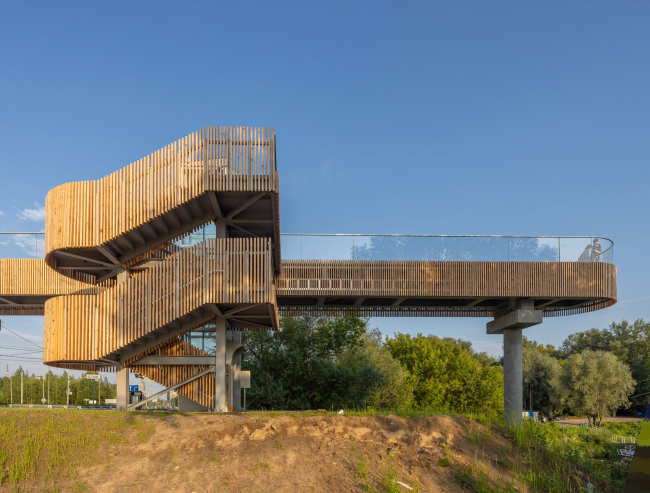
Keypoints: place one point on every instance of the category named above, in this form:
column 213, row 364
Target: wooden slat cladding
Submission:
column 89, row 214
column 34, row 277
column 200, row 390
column 220, row 271
column 449, row 279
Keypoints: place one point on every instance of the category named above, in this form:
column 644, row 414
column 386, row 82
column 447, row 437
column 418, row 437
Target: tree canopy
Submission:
column 630, row 343
column 541, row 374
column 596, row 383
column 445, row 376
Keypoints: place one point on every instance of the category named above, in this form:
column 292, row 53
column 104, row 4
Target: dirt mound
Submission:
column 295, row 452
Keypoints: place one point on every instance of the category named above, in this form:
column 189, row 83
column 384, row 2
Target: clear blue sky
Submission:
column 522, row 118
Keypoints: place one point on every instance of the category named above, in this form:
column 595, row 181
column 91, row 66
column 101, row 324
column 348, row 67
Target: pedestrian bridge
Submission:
column 187, row 241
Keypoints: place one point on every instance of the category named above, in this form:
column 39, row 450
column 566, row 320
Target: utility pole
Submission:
column 67, row 395
column 48, row 389
column 11, row 386
column 99, row 399
column 21, row 387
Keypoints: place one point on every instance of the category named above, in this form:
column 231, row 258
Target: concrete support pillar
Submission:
column 513, row 387
column 122, row 389
column 236, row 368
column 220, row 365
column 222, row 232
column 510, row 323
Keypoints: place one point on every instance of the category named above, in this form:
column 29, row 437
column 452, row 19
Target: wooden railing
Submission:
column 32, row 277
column 87, row 328
column 91, row 213
column 200, row 390
column 453, row 279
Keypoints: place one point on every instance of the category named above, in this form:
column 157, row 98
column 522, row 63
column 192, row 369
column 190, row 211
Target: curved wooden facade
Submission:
column 204, row 176
column 227, row 273
column 26, row 284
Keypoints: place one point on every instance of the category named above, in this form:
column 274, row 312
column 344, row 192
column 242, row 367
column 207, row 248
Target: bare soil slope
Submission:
column 296, row 452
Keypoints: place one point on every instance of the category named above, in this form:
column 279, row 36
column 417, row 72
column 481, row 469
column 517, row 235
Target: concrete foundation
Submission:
column 220, row 365
column 513, row 388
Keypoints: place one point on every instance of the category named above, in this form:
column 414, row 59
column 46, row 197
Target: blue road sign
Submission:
column 134, row 388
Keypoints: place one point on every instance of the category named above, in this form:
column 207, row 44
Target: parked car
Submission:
column 560, row 417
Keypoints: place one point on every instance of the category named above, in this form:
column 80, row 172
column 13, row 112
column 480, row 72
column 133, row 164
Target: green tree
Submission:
column 630, row 343
column 596, row 383
column 394, row 391
column 445, row 376
column 302, row 366
column 541, row 373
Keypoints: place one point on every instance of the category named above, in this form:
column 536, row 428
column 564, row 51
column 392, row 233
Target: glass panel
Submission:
column 445, row 248
column 291, row 247
column 533, row 249
column 22, row 245
column 431, row 248
column 326, row 247
column 483, row 249
column 587, row 250
column 380, row 248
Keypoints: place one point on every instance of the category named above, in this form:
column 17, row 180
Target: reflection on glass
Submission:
column 483, row 249
column 203, row 340
column 441, row 248
column 533, row 250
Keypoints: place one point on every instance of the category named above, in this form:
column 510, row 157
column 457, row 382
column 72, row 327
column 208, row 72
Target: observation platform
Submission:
column 183, row 245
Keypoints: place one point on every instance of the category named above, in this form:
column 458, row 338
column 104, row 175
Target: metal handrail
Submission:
column 366, row 234
column 446, row 236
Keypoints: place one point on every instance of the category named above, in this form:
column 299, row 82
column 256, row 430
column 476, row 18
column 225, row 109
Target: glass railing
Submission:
column 296, row 246
column 426, row 247
column 22, row 245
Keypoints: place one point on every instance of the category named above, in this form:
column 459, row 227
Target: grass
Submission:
column 361, row 469
column 51, row 445
column 463, row 477
column 547, row 455
column 259, row 466
column 628, row 429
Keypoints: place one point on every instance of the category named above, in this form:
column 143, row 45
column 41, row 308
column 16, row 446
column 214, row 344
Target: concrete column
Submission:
column 513, row 387
column 222, row 232
column 122, row 389
column 220, row 365
column 236, row 387
column 510, row 323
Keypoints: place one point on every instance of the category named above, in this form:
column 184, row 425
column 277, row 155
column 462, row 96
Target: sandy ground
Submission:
column 268, row 452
